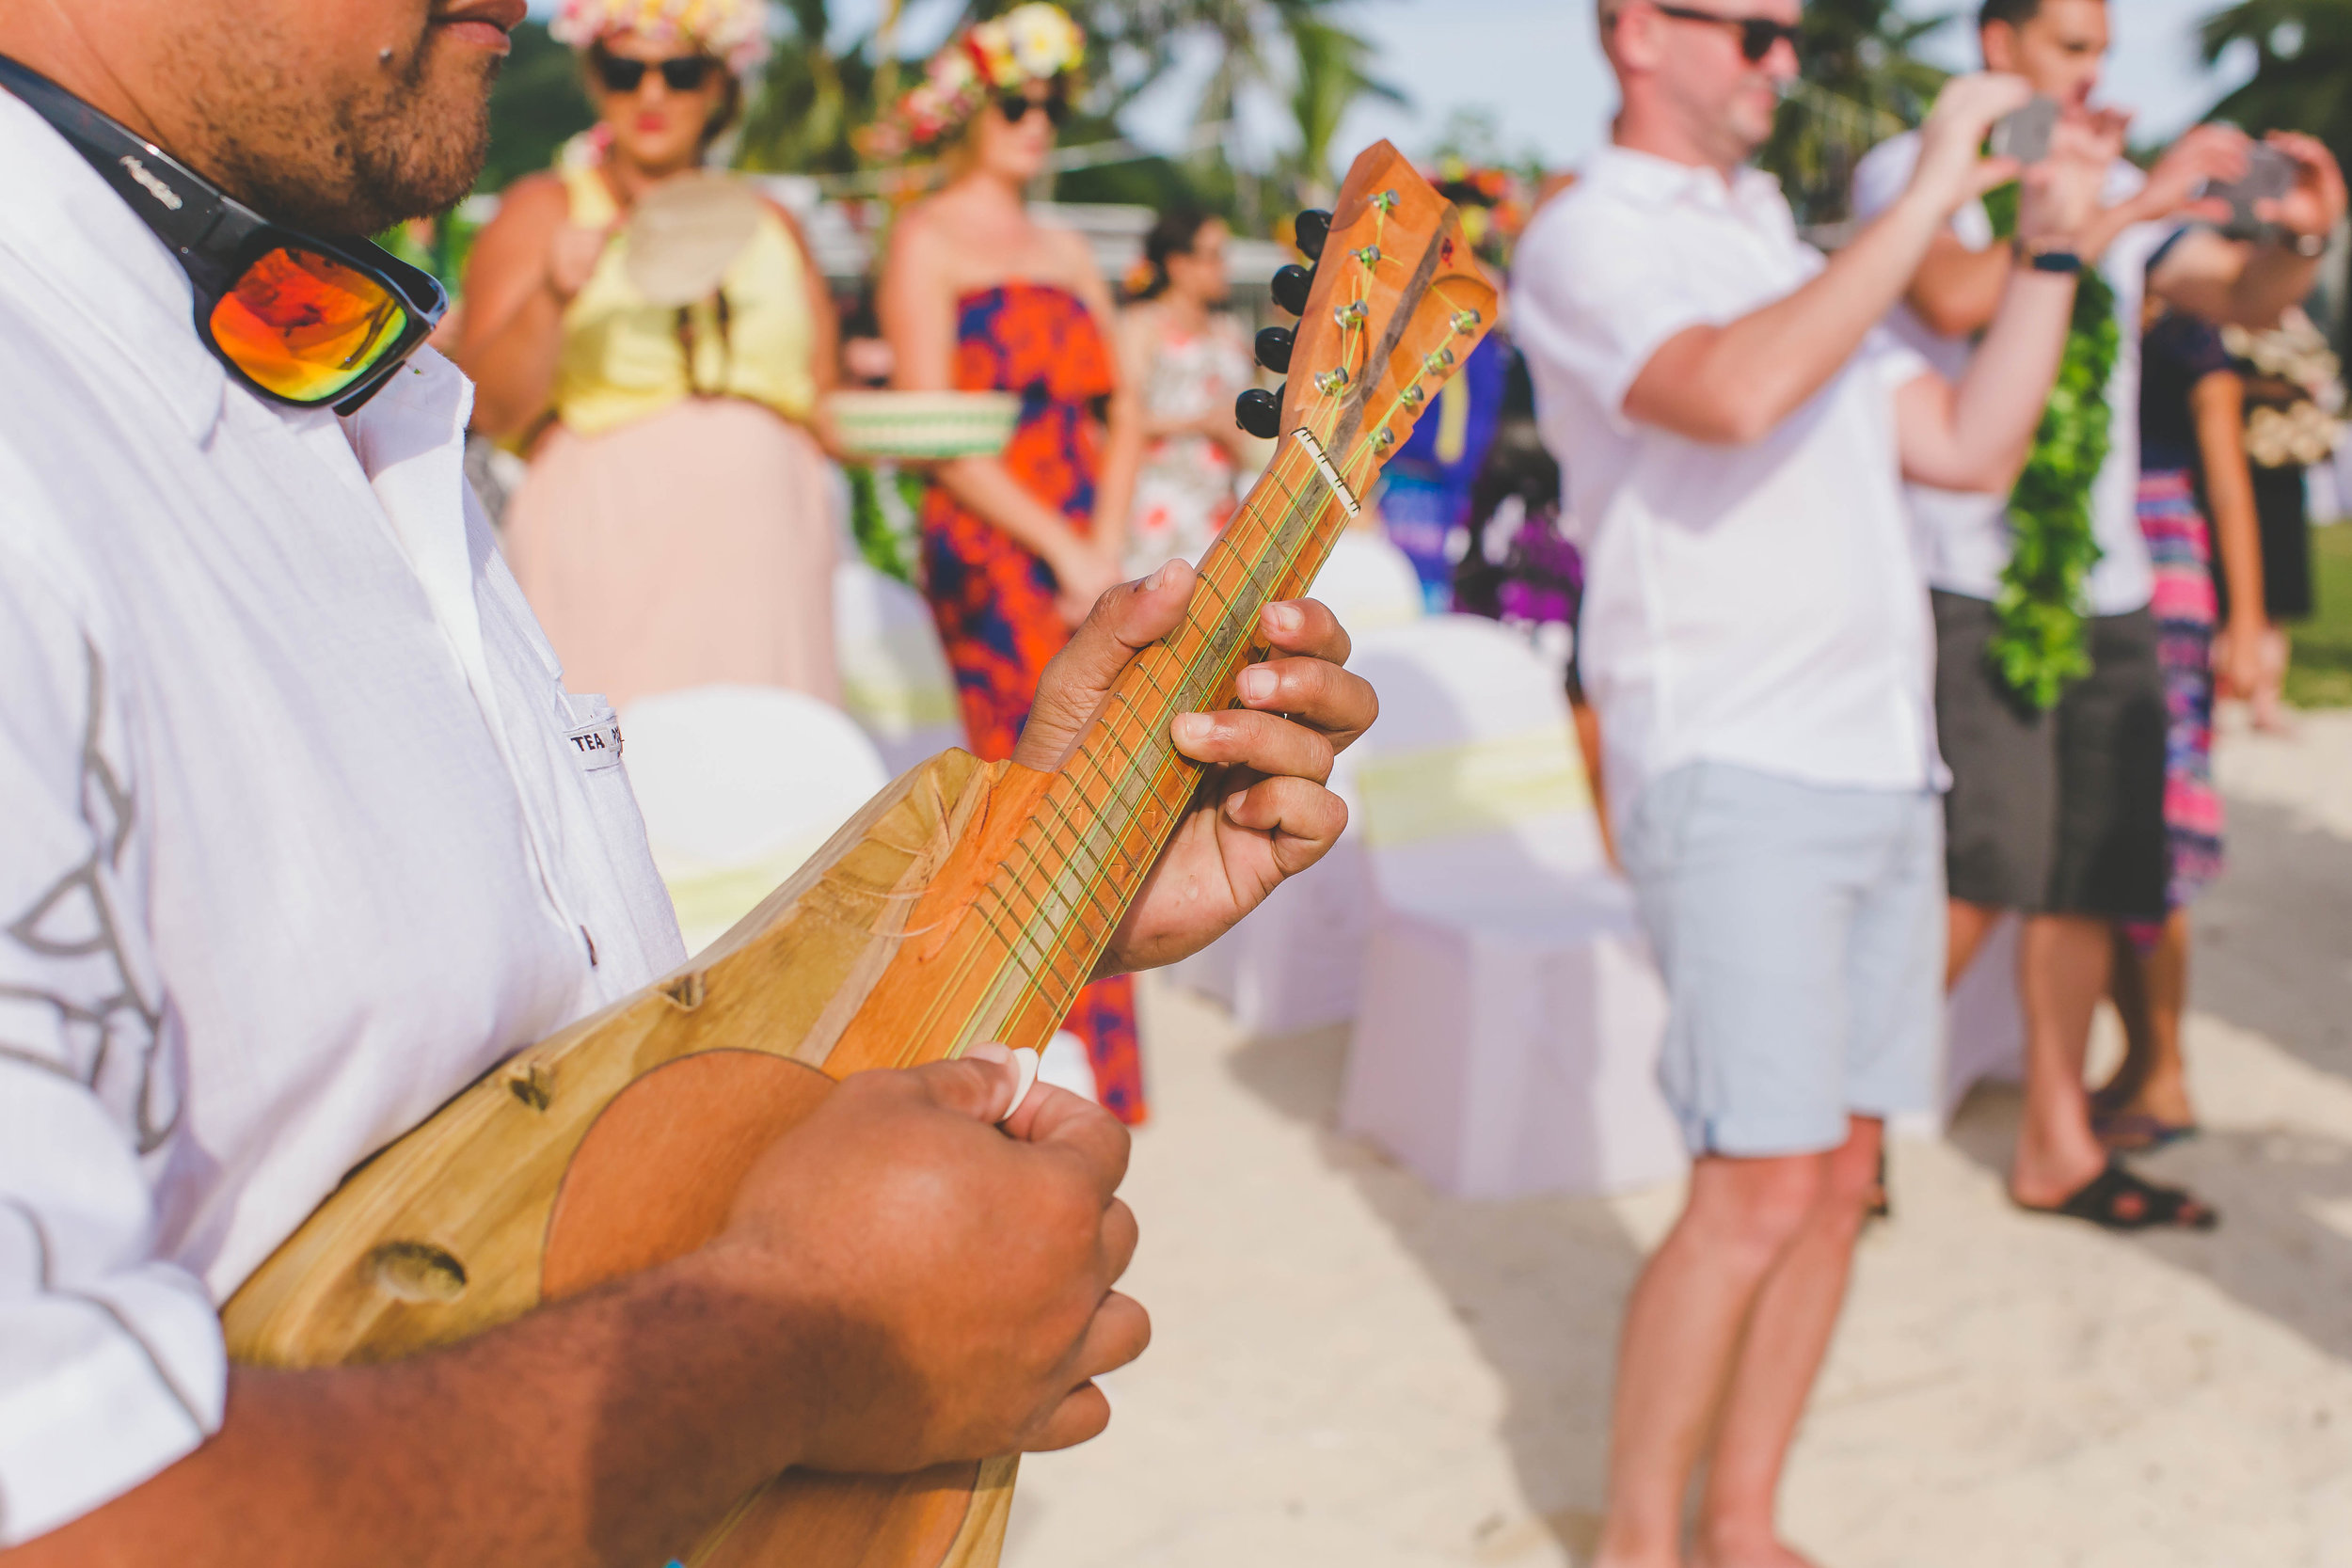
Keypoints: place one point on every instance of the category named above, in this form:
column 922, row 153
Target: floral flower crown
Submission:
column 1492, row 201
column 1032, row 42
column 734, row 30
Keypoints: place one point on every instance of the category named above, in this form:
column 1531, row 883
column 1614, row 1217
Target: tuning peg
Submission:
column 1290, row 288
column 1260, row 412
column 1273, row 349
column 1312, row 227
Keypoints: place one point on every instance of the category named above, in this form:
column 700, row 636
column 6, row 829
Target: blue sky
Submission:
column 1533, row 64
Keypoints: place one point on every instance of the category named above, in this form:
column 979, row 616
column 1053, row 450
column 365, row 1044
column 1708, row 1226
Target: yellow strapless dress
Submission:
column 675, row 528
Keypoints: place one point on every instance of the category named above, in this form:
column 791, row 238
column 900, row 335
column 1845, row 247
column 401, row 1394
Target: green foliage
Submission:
column 2303, row 71
column 2320, row 675
column 2041, row 646
column 537, row 105
column 1862, row 83
column 1333, row 72
column 817, row 91
column 885, row 502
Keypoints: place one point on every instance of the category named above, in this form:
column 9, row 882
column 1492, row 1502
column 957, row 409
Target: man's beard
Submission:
column 409, row 142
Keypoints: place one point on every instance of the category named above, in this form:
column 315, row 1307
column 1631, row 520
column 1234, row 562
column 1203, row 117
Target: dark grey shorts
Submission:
column 2057, row 813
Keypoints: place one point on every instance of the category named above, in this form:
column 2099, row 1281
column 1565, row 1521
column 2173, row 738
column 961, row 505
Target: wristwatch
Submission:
column 2054, row 260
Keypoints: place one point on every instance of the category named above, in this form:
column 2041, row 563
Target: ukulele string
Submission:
column 952, row 985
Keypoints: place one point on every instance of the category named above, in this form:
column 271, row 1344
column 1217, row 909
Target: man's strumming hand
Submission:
column 943, row 1284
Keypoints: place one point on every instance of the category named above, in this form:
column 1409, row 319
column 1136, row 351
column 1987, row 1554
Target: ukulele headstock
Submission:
column 1394, row 304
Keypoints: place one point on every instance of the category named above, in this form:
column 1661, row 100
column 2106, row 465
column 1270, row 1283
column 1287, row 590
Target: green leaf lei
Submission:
column 2040, row 646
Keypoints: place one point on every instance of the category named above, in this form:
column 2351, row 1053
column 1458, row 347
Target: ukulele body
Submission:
column 619, row 1143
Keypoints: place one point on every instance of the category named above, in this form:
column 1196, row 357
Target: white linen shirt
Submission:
column 1755, row 605
column 1963, row 540
column 297, row 842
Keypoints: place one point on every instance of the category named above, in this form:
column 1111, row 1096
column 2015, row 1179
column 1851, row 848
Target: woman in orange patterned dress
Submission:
column 977, row 297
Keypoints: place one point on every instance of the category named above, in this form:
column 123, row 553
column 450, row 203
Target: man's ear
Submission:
column 1633, row 42
column 1998, row 42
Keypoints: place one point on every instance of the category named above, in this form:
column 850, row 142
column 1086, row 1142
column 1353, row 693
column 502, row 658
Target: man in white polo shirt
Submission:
column 302, row 832
column 2057, row 812
column 1736, row 429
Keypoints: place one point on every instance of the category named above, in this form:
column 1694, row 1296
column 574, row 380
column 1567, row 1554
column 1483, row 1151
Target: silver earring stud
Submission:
column 383, row 56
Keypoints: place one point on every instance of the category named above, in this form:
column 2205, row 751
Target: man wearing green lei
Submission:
column 2050, row 705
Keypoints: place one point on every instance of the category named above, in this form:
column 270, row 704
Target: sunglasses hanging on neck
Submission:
column 307, row 319
column 1758, row 34
column 686, row 74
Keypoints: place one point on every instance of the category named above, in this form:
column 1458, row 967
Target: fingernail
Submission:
column 989, row 1051
column 1255, row 683
column 1193, row 727
column 1232, row 804
column 1157, row 577
column 1287, row 617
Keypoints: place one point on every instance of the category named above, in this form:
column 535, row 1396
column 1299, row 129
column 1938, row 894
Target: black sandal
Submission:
column 2117, row 1200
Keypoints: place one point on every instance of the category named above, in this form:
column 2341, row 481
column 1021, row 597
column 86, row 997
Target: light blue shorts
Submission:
column 1801, row 932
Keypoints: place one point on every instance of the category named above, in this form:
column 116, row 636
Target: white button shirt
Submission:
column 1754, row 605
column 1963, row 540
column 297, row 841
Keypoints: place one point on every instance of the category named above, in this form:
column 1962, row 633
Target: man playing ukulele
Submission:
column 299, row 842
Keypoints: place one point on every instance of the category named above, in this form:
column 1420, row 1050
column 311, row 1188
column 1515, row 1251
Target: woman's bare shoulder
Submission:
column 536, row 203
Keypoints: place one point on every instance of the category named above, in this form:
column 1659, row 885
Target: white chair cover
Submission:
column 1984, row 1024
column 894, row 680
column 1507, row 1038
column 1367, row 583
column 738, row 786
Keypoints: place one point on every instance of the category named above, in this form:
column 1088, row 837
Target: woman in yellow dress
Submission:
column 676, row 527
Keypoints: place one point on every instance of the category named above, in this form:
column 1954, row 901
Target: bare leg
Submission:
column 2151, row 992
column 1969, row 924
column 1683, row 1326
column 1789, row 1334
column 2062, row 968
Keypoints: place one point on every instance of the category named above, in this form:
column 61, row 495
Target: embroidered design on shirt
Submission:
column 116, row 1028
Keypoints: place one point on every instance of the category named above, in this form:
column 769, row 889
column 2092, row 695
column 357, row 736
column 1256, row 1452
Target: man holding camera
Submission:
column 2056, row 810
column 1737, row 427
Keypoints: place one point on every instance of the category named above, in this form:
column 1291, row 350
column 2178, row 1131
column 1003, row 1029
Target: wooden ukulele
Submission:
column 967, row 902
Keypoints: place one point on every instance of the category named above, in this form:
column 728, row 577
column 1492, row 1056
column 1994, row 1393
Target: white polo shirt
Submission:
column 1755, row 605
column 297, row 839
column 1963, row 540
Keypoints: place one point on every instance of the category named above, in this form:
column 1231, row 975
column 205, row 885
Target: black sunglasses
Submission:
column 1015, row 107
column 299, row 319
column 1758, row 34
column 686, row 74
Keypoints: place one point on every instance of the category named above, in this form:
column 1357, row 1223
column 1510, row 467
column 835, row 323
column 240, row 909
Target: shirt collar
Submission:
column 69, row 228
column 1653, row 180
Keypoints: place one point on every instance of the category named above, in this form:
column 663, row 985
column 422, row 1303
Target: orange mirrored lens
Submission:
column 305, row 326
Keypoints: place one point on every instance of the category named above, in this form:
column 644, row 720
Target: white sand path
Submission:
column 1350, row 1371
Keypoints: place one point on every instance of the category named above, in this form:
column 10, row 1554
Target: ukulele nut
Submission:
column 1466, row 323
column 1411, row 397
column 1386, row 201
column 1369, row 255
column 1351, row 315
column 531, row 1083
column 416, row 1272
column 686, row 993
column 1438, row 361
column 1329, row 382
column 1383, row 438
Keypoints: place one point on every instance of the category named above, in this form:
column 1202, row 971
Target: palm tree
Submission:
column 1862, row 83
column 2302, row 67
